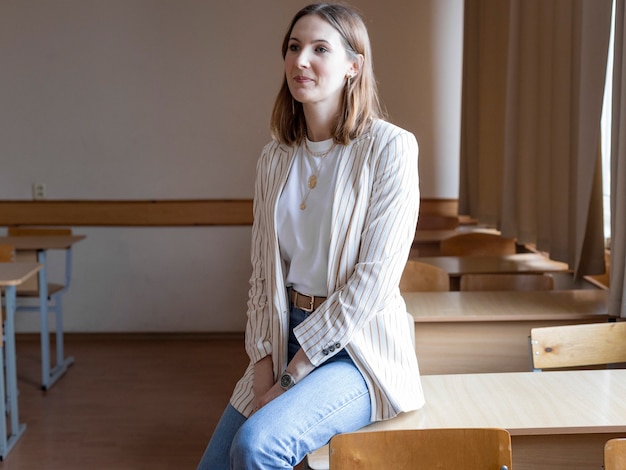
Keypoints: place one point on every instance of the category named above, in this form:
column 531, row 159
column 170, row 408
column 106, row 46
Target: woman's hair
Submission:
column 360, row 103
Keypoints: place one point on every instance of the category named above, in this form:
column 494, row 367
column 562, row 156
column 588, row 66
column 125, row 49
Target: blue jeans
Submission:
column 332, row 399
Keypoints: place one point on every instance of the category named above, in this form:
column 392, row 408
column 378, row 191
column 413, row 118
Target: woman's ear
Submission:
column 355, row 68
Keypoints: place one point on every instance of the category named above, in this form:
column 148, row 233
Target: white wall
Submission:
column 156, row 99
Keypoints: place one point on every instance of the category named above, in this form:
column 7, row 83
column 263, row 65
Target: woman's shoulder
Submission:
column 380, row 127
column 274, row 155
column 274, row 148
column 384, row 132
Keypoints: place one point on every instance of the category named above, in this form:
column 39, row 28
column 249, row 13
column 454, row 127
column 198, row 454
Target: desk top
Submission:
column 435, row 236
column 42, row 242
column 13, row 274
column 525, row 403
column 506, row 305
column 456, row 266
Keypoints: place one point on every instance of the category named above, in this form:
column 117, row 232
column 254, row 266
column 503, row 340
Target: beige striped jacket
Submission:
column 374, row 215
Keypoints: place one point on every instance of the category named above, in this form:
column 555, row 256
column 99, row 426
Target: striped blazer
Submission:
column 374, row 215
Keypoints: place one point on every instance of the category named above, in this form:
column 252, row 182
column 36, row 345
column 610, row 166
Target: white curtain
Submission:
column 533, row 82
column 617, row 302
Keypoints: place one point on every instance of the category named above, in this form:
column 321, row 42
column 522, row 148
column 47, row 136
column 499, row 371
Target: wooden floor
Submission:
column 126, row 403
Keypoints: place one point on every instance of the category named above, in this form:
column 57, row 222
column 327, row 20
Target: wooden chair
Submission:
column 495, row 282
column 427, row 449
column 615, row 454
column 477, row 244
column 590, row 344
column 423, row 277
column 437, row 222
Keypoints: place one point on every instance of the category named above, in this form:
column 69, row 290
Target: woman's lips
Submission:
column 301, row 79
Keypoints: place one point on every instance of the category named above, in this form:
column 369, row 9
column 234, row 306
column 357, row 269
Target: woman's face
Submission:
column 317, row 64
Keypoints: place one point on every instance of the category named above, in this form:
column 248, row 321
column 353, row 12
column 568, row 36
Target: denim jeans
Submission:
column 330, row 400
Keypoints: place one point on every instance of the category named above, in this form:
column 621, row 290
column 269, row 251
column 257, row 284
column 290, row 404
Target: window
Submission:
column 605, row 133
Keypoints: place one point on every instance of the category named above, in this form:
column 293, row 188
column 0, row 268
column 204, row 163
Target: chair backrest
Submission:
column 437, row 222
column 519, row 282
column 582, row 345
column 477, row 244
column 615, row 454
column 422, row 449
column 423, row 277
column 7, row 253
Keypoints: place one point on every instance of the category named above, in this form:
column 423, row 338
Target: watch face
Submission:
column 286, row 381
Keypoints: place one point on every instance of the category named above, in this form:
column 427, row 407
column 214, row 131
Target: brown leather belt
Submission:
column 308, row 303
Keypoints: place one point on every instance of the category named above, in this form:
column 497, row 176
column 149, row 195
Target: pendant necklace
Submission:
column 316, row 160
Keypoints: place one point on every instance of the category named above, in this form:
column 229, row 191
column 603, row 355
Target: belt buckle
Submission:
column 311, row 302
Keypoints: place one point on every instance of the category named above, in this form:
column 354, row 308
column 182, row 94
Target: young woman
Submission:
column 335, row 210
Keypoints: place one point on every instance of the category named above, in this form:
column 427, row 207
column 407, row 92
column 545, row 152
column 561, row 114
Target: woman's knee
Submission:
column 255, row 446
column 244, row 443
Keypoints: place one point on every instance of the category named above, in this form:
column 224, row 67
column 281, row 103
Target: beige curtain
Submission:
column 533, row 81
column 617, row 302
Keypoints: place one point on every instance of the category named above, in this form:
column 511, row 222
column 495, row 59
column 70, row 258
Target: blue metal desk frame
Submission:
column 8, row 403
column 49, row 374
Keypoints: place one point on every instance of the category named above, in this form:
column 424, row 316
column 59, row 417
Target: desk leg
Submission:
column 43, row 309
column 62, row 363
column 3, row 407
column 17, row 429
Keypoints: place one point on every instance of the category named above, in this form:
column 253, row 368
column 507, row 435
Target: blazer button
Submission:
column 325, row 352
column 331, row 348
column 338, row 345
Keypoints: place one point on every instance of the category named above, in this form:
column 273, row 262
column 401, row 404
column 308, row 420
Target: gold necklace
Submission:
column 318, row 154
column 318, row 162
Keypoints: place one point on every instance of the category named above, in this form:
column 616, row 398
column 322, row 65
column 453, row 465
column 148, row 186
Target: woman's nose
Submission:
column 303, row 59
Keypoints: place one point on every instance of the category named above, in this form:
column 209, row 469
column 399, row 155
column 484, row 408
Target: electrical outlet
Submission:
column 39, row 191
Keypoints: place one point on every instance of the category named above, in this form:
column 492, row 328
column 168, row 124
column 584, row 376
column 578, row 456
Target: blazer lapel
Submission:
column 349, row 204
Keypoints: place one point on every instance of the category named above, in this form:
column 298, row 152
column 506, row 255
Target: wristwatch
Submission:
column 287, row 381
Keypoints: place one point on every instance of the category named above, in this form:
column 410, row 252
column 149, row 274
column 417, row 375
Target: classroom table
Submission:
column 487, row 331
column 456, row 266
column 11, row 275
column 557, row 420
column 40, row 245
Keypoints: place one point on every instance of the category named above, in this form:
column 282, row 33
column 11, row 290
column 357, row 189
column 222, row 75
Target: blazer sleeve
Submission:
column 258, row 327
column 386, row 224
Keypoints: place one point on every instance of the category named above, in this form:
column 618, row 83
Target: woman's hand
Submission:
column 263, row 381
column 266, row 391
column 274, row 391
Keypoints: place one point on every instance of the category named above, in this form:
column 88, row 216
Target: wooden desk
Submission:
column 456, row 266
column 557, row 420
column 469, row 332
column 40, row 245
column 46, row 242
column 11, row 275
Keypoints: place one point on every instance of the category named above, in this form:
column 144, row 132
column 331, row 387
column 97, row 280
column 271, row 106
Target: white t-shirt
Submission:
column 304, row 233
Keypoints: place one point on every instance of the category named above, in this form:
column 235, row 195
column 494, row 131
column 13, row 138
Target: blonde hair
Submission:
column 360, row 103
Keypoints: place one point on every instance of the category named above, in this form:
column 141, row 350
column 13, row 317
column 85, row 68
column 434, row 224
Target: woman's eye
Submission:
column 321, row 49
column 293, row 47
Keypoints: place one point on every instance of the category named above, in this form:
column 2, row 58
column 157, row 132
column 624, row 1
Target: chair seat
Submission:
column 52, row 289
